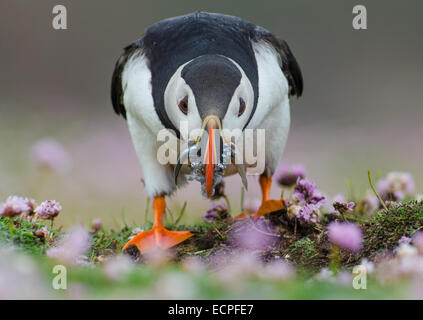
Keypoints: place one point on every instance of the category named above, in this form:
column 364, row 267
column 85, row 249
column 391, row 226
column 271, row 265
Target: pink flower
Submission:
column 117, row 267
column 96, row 224
column 309, row 213
column 70, row 249
column 32, row 204
column 343, row 207
column 345, row 235
column 14, row 206
column 418, row 241
column 278, row 270
column 48, row 210
column 254, row 235
column 404, row 239
column 234, row 267
column 339, row 198
column 370, row 203
column 396, row 186
column 288, row 175
column 341, row 203
column 306, row 191
column 51, row 154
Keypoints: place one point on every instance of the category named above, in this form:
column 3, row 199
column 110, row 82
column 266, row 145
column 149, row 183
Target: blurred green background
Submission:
column 361, row 109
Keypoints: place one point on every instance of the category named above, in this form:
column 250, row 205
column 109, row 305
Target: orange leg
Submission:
column 158, row 236
column 265, row 184
column 267, row 206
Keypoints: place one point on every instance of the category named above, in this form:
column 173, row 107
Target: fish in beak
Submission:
column 211, row 124
column 211, row 165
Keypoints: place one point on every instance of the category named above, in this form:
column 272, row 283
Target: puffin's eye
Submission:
column 241, row 107
column 183, row 105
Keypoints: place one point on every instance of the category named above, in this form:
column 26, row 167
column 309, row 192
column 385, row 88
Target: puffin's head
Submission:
column 210, row 92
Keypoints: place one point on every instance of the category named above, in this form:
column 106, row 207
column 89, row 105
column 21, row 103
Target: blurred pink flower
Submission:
column 368, row 265
column 48, row 210
column 344, row 278
column 70, row 249
column 96, row 224
column 339, row 198
column 325, row 275
column 287, row 176
column 236, row 266
column 345, row 235
column 418, row 241
column 193, row 265
column 253, row 235
column 20, row 277
column 404, row 239
column 278, row 269
column 49, row 153
column 14, row 206
column 175, row 285
column 117, row 267
column 370, row 203
column 32, row 204
column 396, row 186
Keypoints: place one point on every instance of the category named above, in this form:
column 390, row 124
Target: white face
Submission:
column 180, row 104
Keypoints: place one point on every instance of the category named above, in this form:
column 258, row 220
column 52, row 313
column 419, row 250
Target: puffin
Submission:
column 203, row 73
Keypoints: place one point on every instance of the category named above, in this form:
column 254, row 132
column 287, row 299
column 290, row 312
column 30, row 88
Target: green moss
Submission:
column 22, row 235
column 385, row 229
column 305, row 246
column 109, row 242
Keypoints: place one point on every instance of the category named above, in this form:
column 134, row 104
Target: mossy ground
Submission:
column 307, row 248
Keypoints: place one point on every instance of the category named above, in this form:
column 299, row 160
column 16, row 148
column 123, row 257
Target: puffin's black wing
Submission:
column 116, row 88
column 289, row 64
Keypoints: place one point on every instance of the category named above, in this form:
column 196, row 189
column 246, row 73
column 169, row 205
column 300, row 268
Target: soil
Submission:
column 305, row 246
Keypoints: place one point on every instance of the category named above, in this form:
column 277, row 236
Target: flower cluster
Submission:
column 309, row 213
column 396, row 186
column 307, row 192
column 48, row 210
column 15, row 206
column 306, row 202
column 406, row 263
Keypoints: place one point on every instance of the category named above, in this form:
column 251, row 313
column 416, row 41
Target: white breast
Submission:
column 273, row 111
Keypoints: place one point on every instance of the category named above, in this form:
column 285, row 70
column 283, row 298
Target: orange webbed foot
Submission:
column 270, row 206
column 162, row 238
column 158, row 236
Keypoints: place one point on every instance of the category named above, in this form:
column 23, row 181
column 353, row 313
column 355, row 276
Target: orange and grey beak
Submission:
column 211, row 156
